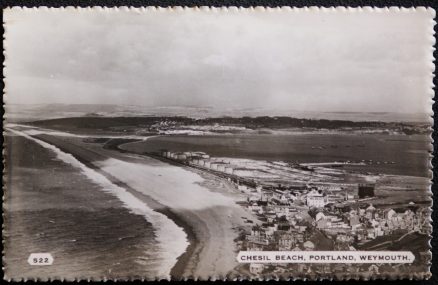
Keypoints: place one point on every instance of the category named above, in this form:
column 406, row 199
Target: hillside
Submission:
column 111, row 123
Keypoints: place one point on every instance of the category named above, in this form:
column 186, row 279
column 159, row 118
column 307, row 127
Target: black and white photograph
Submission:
column 217, row 143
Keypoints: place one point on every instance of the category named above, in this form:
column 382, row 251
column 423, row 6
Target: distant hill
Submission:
column 99, row 122
column 23, row 112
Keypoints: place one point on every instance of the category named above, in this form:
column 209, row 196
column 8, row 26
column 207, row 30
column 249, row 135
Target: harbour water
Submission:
column 386, row 154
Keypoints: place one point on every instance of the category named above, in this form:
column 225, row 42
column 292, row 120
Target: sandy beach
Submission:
column 209, row 215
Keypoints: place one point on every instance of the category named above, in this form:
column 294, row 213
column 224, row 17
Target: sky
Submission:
column 306, row 60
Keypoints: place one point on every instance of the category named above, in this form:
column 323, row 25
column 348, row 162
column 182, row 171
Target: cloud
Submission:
column 314, row 61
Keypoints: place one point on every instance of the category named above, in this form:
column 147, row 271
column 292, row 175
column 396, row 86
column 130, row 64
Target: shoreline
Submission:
column 108, row 230
column 178, row 271
column 210, row 230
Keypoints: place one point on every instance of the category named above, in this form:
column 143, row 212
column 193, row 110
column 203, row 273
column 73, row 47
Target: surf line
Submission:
column 172, row 239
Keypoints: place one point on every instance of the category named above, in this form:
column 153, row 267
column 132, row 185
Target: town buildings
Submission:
column 296, row 213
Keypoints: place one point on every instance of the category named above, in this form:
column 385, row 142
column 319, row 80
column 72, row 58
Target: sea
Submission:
column 93, row 229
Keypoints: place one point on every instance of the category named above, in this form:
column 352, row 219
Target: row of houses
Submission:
column 201, row 159
column 312, row 198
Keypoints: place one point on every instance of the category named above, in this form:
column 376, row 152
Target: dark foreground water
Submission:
column 409, row 154
column 51, row 207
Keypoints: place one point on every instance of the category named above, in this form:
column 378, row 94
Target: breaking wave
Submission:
column 171, row 238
